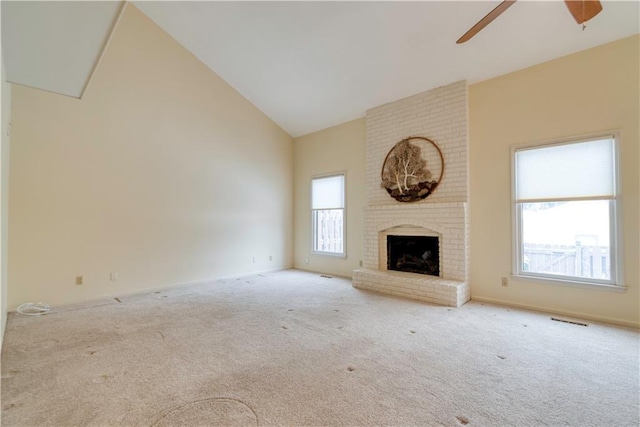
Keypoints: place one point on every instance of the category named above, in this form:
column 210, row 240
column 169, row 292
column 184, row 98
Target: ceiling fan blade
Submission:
column 583, row 10
column 486, row 20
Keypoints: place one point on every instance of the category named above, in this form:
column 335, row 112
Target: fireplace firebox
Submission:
column 414, row 254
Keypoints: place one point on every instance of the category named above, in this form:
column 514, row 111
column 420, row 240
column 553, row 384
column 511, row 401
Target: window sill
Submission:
column 569, row 283
column 330, row 254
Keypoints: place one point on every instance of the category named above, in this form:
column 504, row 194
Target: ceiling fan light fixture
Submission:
column 583, row 10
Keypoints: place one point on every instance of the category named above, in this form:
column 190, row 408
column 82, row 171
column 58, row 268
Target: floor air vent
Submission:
column 325, row 276
column 569, row 321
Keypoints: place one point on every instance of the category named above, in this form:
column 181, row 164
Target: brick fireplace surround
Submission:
column 441, row 115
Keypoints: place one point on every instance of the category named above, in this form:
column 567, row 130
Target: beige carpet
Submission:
column 293, row 348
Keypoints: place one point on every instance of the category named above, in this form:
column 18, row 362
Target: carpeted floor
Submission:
column 293, row 348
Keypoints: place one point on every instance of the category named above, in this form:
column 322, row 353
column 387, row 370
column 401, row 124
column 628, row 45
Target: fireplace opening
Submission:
column 414, row 254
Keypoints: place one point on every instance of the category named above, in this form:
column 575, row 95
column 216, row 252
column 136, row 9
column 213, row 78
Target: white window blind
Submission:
column 566, row 171
column 328, row 193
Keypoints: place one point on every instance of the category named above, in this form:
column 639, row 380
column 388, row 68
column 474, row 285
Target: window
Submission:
column 565, row 211
column 327, row 207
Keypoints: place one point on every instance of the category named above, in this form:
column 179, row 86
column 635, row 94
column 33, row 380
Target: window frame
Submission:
column 343, row 254
column 615, row 219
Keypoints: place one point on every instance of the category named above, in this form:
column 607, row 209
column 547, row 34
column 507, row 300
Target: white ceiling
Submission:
column 311, row 65
column 55, row 45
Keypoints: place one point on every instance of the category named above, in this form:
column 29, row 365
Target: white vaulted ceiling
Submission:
column 311, row 65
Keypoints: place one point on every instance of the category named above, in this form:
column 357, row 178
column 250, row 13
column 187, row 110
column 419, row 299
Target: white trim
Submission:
column 331, row 254
column 132, row 292
column 546, row 310
column 615, row 251
column 581, row 282
column 326, row 273
column 343, row 254
column 609, row 133
column 615, row 233
column 566, row 199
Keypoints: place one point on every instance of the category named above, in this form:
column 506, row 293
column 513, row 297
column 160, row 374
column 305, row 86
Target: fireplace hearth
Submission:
column 414, row 254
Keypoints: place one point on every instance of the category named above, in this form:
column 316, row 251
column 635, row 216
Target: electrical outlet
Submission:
column 360, row 263
column 505, row 282
column 79, row 280
column 306, row 260
column 113, row 276
column 254, row 260
column 270, row 258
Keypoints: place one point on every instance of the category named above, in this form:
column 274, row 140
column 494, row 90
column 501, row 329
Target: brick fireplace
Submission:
column 441, row 115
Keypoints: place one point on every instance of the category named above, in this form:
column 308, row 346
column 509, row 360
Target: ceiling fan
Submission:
column 582, row 11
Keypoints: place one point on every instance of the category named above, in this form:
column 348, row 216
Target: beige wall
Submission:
column 588, row 92
column 4, row 197
column 337, row 149
column 161, row 173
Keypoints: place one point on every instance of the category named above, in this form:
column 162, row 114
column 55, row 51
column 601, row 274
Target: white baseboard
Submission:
column 109, row 297
column 603, row 319
column 322, row 272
